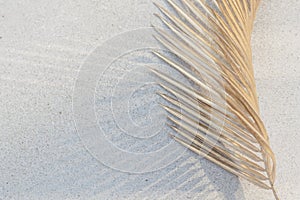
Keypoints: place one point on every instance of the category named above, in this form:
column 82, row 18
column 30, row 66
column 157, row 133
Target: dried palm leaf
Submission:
column 212, row 41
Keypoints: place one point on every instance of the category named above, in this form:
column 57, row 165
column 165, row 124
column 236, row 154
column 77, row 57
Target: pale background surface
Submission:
column 42, row 45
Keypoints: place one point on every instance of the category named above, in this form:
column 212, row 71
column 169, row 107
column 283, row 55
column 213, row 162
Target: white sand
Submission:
column 43, row 44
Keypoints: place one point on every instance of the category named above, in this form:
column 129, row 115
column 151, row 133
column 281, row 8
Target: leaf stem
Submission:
column 274, row 192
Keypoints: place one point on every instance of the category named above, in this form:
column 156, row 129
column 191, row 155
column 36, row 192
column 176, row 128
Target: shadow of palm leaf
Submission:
column 187, row 178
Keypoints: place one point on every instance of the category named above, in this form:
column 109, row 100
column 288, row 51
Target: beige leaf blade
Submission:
column 213, row 42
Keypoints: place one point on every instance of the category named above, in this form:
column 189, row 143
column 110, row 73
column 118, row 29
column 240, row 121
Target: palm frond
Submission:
column 212, row 39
